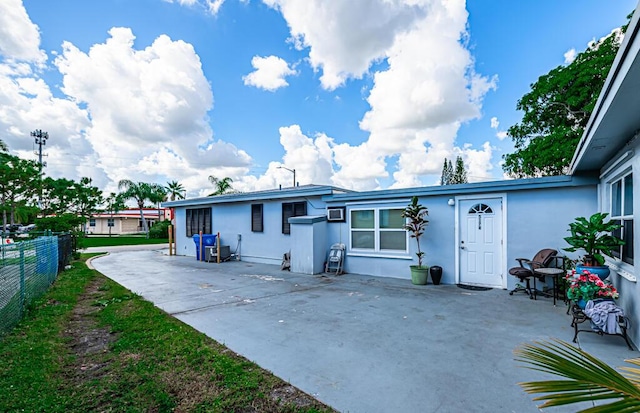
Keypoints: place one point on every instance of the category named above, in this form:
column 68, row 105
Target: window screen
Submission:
column 289, row 210
column 198, row 220
column 256, row 218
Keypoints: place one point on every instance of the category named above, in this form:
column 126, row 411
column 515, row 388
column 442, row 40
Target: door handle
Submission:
column 461, row 245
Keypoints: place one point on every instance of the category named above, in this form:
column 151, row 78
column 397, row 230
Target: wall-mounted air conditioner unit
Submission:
column 336, row 214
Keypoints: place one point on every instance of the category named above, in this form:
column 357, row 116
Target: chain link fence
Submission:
column 27, row 269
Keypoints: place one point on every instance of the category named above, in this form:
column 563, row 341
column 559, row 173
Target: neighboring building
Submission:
column 124, row 222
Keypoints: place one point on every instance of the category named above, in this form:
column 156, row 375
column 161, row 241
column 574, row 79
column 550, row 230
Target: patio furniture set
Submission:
column 603, row 315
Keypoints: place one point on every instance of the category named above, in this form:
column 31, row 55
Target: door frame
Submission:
column 457, row 229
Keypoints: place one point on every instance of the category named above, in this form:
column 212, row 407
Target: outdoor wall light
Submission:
column 451, row 202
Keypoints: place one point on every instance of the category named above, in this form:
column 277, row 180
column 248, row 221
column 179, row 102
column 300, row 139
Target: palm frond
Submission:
column 588, row 378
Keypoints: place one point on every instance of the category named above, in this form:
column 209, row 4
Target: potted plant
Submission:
column 594, row 237
column 585, row 286
column 416, row 214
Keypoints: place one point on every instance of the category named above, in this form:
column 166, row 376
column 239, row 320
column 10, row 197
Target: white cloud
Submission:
column 478, row 162
column 151, row 101
column 344, row 37
column 19, row 37
column 214, row 5
column 126, row 113
column 211, row 6
column 495, row 124
column 417, row 103
column 270, row 73
column 570, row 56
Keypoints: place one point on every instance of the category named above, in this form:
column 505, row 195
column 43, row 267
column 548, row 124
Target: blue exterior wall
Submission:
column 233, row 219
column 540, row 219
column 535, row 219
column 536, row 213
column 627, row 285
column 308, row 239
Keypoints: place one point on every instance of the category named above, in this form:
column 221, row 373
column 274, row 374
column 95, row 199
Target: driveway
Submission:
column 362, row 343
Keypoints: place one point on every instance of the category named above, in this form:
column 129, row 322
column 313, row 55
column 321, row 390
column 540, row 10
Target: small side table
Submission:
column 554, row 273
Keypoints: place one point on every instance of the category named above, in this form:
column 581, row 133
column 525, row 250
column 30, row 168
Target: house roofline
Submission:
column 561, row 181
column 284, row 193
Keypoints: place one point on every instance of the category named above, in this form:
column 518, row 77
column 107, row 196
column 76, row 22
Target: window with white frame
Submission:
column 378, row 230
column 621, row 191
column 110, row 222
column 92, row 222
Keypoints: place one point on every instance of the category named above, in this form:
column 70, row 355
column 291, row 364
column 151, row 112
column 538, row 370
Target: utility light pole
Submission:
column 41, row 140
column 290, row 170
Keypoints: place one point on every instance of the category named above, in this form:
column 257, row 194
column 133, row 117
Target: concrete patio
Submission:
column 362, row 343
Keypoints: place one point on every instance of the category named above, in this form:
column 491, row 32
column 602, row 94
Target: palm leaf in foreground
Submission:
column 587, row 378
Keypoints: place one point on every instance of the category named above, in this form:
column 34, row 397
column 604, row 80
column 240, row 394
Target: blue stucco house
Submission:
column 476, row 230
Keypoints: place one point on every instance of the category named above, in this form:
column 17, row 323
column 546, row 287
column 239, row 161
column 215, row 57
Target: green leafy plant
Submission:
column 586, row 378
column 160, row 230
column 594, row 237
column 416, row 215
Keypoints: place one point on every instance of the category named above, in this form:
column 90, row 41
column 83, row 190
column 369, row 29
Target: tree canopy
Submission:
column 140, row 192
column 452, row 176
column 19, row 183
column 223, row 186
column 175, row 190
column 557, row 110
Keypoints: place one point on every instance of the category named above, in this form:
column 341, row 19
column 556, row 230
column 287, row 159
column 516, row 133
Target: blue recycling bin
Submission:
column 208, row 240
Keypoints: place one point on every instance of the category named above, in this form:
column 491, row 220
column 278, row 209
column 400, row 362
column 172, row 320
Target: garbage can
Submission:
column 208, row 240
column 436, row 274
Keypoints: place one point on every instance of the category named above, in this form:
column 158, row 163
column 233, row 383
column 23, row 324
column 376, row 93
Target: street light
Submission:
column 290, row 170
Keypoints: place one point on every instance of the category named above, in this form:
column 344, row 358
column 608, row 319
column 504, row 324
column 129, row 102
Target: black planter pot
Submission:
column 436, row 274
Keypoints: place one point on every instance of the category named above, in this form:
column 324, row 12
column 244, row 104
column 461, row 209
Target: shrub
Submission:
column 160, row 230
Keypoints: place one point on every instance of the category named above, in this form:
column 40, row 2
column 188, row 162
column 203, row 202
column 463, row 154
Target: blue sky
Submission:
column 362, row 94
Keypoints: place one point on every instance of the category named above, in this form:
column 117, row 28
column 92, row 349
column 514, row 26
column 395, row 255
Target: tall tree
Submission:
column 447, row 172
column 556, row 111
column 113, row 203
column 460, row 173
column 223, row 186
column 19, row 185
column 175, row 190
column 57, row 196
column 158, row 195
column 140, row 192
column 86, row 199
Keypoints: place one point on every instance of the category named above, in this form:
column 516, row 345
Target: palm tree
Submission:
column 140, row 192
column 114, row 203
column 159, row 194
column 223, row 186
column 586, row 378
column 175, row 190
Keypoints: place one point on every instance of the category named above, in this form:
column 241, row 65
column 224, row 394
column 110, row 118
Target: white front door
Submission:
column 481, row 242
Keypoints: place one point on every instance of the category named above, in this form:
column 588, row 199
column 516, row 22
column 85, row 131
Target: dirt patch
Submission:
column 86, row 338
column 289, row 395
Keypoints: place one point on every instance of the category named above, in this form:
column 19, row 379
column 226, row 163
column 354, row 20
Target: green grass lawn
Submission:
column 91, row 345
column 100, row 241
